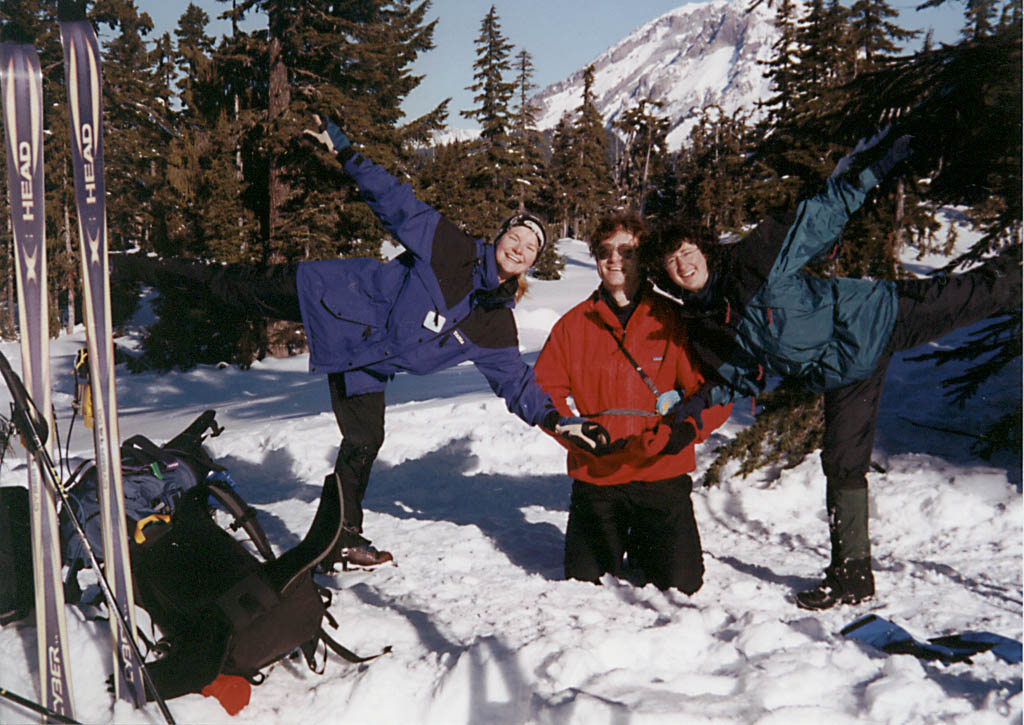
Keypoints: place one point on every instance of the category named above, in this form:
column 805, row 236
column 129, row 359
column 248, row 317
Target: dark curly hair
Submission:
column 620, row 221
column 665, row 238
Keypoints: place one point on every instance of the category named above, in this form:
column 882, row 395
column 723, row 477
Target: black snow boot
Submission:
column 848, row 583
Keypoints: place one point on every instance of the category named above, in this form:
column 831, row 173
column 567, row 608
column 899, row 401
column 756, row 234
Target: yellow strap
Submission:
column 139, row 536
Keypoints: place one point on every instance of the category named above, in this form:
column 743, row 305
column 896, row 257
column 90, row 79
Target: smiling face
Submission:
column 515, row 252
column 687, row 267
column 618, row 266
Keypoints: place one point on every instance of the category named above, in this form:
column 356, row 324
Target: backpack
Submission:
column 153, row 480
column 221, row 607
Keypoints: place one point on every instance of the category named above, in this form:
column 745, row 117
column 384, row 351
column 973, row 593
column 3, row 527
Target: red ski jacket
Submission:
column 583, row 361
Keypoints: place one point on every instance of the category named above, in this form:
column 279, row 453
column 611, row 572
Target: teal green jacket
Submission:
column 760, row 315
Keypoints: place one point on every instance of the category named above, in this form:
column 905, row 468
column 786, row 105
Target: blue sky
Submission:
column 560, row 35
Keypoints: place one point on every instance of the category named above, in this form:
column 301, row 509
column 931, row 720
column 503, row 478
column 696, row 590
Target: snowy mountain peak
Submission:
column 697, row 55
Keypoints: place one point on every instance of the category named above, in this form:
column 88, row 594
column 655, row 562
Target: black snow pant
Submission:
column 361, row 420
column 928, row 309
column 651, row 522
column 268, row 291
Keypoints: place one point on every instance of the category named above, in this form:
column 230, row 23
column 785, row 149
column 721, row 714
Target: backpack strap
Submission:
column 345, row 653
column 243, row 514
column 140, row 444
column 310, row 648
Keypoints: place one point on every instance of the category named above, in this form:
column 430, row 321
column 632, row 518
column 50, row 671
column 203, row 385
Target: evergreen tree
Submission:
column 711, row 178
column 817, row 57
column 981, row 19
column 442, row 176
column 493, row 92
column 491, row 164
column 592, row 193
column 966, row 124
column 561, row 177
column 133, row 137
column 643, row 152
column 350, row 61
column 526, row 147
column 251, row 186
column 525, row 141
column 873, row 33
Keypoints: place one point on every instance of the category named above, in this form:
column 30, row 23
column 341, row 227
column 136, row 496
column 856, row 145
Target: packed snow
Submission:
column 483, row 628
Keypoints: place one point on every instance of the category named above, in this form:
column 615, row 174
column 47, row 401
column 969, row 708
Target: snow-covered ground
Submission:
column 473, row 504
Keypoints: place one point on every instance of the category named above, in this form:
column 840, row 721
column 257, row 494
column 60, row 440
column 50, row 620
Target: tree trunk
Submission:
column 279, row 97
column 897, row 233
column 69, row 326
column 8, row 319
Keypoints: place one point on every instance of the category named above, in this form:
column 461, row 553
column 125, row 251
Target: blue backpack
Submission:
column 154, row 479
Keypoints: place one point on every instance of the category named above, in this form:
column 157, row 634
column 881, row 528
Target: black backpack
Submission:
column 222, row 610
column 222, row 606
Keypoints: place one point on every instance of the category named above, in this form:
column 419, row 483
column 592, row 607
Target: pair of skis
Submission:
column 22, row 102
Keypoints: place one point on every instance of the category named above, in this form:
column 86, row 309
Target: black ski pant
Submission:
column 928, row 309
column 361, row 420
column 651, row 522
column 268, row 291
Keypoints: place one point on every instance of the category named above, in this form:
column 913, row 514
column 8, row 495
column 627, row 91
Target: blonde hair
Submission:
column 522, row 287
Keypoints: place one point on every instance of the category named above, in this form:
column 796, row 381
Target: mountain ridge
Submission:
column 697, row 55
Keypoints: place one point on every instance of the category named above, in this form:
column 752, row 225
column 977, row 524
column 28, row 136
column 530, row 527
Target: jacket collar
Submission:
column 705, row 298
column 492, row 292
column 602, row 308
column 489, row 271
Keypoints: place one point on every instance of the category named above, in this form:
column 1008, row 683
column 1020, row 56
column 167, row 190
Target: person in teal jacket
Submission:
column 753, row 314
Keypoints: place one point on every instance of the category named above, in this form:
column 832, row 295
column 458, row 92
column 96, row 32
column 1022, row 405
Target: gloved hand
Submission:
column 680, row 410
column 863, row 145
column 683, row 419
column 589, row 435
column 329, row 134
column 899, row 150
column 667, row 401
column 683, row 433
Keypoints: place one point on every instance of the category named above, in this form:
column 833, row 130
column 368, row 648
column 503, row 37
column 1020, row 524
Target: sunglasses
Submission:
column 626, row 252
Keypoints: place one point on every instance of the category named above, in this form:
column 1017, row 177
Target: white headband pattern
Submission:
column 533, row 227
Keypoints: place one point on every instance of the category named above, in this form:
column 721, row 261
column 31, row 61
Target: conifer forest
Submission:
column 206, row 158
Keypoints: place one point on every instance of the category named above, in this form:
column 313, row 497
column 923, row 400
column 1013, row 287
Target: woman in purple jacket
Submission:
column 446, row 299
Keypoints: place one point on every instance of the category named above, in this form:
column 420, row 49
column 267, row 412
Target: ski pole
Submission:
column 36, row 707
column 33, row 442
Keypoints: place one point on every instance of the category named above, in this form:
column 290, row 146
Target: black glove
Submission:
column 337, row 136
column 684, row 420
column 899, row 150
column 692, row 407
column 329, row 134
column 682, row 435
column 586, row 434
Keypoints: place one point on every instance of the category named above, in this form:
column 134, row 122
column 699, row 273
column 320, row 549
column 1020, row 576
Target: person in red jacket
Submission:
column 618, row 356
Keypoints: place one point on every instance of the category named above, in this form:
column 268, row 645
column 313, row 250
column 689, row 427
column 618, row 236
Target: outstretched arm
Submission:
column 820, row 220
column 410, row 221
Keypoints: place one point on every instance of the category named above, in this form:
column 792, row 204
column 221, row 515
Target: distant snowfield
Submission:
column 473, row 503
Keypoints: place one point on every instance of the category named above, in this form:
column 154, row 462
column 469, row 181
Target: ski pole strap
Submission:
column 632, row 361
